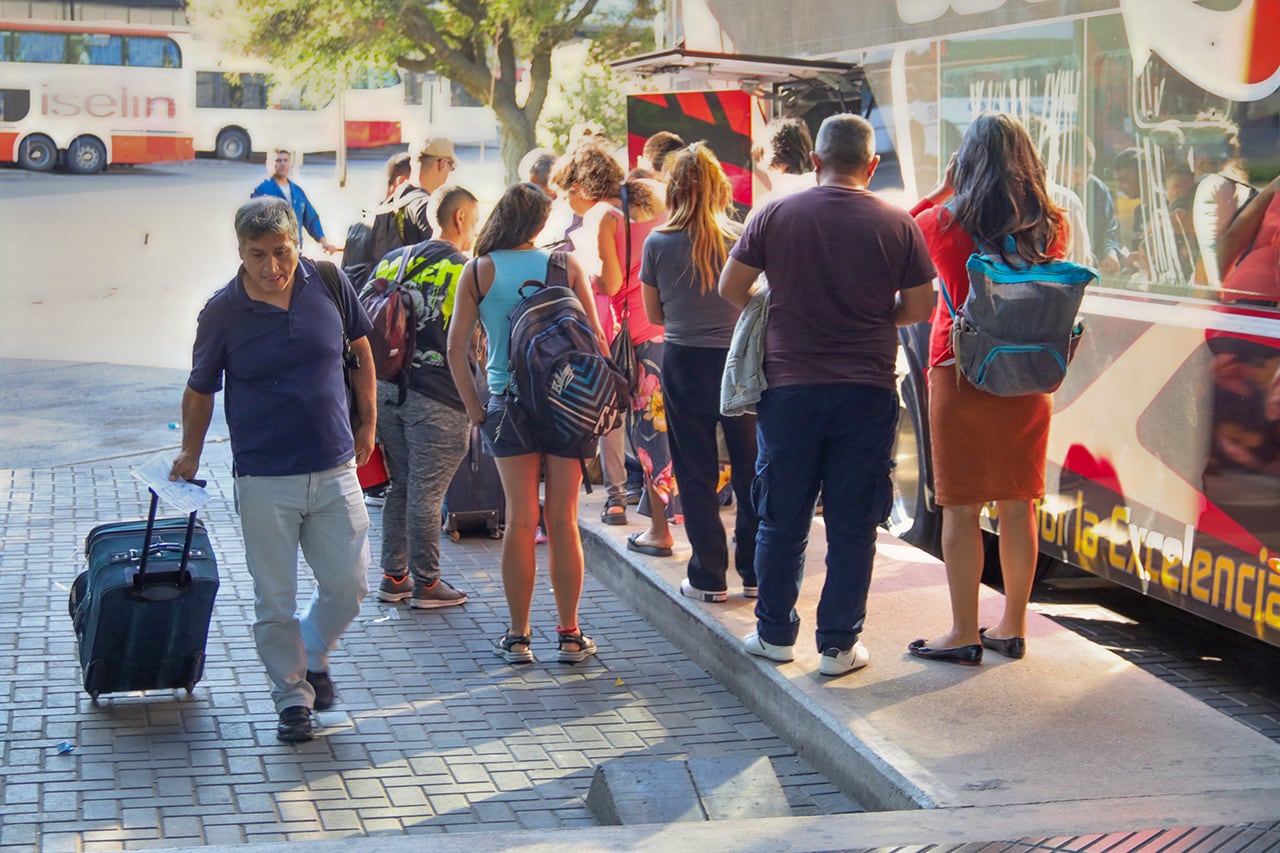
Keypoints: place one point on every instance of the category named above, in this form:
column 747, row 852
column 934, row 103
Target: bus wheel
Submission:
column 37, row 154
column 86, row 156
column 233, row 145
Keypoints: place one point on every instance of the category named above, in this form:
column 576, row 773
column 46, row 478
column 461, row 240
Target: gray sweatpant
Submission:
column 423, row 443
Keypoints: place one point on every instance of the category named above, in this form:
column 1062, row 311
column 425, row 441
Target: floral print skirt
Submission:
column 647, row 430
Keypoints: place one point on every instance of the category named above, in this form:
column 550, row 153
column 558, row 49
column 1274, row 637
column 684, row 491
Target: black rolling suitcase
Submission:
column 475, row 501
column 141, row 614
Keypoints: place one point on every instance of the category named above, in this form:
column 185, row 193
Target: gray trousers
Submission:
column 324, row 513
column 423, row 443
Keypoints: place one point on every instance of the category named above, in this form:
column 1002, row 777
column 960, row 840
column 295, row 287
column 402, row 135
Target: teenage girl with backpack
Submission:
column 985, row 448
column 505, row 258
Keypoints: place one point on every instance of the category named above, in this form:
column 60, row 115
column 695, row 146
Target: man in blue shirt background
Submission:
column 274, row 333
column 280, row 161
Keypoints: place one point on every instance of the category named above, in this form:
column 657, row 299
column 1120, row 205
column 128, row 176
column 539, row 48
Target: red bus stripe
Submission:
column 151, row 149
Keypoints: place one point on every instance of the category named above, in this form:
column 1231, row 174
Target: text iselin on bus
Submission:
column 103, row 105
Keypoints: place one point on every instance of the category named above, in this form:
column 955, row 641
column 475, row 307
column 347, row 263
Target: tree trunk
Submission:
column 518, row 136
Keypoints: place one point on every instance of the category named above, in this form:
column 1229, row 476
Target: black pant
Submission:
column 691, row 388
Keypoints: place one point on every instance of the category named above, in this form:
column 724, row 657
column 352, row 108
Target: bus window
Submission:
column 95, row 49
column 14, row 104
column 39, row 47
column 154, row 52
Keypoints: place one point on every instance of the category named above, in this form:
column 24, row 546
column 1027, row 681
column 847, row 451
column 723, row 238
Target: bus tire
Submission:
column 233, row 144
column 37, row 153
column 914, row 518
column 86, row 156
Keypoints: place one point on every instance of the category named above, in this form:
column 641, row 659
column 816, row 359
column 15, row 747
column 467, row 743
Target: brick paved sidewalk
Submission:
column 431, row 733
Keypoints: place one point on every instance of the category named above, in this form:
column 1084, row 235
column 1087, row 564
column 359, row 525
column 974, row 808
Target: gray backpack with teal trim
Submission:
column 1015, row 333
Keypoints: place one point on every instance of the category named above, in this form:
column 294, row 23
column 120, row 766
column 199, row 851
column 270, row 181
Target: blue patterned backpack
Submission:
column 569, row 391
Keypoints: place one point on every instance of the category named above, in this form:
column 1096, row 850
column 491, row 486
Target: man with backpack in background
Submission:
column 403, row 220
column 358, row 259
column 422, row 423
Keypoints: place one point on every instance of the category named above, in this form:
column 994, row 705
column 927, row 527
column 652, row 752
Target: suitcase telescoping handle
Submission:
column 184, row 576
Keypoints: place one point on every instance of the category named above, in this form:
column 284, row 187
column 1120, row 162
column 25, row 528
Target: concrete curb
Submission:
column 948, row 828
column 866, row 768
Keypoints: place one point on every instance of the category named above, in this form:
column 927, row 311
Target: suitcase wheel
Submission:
column 495, row 534
column 454, row 536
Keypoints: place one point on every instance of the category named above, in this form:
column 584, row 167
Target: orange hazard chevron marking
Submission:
column 695, row 106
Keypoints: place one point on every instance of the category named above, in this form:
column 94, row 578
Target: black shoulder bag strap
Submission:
column 333, row 284
column 626, row 271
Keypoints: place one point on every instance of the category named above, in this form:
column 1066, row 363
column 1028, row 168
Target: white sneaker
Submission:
column 760, row 648
column 838, row 662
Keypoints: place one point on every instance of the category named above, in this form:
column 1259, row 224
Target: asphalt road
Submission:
column 115, row 267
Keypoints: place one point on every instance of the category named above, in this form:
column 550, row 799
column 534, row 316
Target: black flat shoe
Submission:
column 964, row 655
column 1010, row 647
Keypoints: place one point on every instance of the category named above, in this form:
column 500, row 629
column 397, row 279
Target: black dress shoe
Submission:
column 1010, row 647
column 295, row 724
column 322, row 684
column 966, row 655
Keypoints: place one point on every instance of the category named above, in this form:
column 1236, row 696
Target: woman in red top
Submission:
column 985, row 448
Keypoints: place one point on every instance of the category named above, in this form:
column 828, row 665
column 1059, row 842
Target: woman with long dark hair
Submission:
column 986, row 448
column 681, row 266
column 505, row 258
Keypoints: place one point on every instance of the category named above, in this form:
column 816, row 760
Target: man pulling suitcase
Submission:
column 276, row 338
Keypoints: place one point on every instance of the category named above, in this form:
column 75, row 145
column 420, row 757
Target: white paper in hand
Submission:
column 179, row 496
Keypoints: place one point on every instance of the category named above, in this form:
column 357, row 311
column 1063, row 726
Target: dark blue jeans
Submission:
column 837, row 439
column 691, row 386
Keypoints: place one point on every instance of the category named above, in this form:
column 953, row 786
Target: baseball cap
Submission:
column 438, row 146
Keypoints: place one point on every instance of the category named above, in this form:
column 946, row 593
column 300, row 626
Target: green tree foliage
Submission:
column 594, row 93
column 500, row 51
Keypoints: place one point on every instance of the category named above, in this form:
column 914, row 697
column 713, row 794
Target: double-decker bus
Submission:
column 87, row 94
column 1164, row 448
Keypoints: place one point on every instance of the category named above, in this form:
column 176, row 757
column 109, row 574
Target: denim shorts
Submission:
column 507, row 432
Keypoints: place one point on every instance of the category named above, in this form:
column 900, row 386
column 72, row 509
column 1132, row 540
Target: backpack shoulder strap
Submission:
column 329, row 275
column 333, row 285
column 557, row 269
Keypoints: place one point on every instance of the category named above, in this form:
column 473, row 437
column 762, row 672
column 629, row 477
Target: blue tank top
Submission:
column 510, row 270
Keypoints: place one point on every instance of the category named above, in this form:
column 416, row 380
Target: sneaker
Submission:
column 376, row 496
column 839, row 661
column 513, row 649
column 688, row 590
column 539, row 536
column 438, row 594
column 586, row 647
column 760, row 648
column 322, row 684
column 393, row 589
column 295, row 724
column 750, row 591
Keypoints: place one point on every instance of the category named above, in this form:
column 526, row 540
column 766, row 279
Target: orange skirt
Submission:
column 985, row 448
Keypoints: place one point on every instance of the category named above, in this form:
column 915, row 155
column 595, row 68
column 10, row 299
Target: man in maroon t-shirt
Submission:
column 845, row 269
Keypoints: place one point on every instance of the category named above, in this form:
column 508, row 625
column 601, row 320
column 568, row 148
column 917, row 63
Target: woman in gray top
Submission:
column 681, row 265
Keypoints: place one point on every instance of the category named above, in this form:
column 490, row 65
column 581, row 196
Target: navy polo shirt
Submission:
column 286, row 401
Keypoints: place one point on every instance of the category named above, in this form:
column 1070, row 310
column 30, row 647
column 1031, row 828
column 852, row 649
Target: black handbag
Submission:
column 622, row 350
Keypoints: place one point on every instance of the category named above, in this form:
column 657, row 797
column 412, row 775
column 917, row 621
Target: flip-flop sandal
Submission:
column 634, row 544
